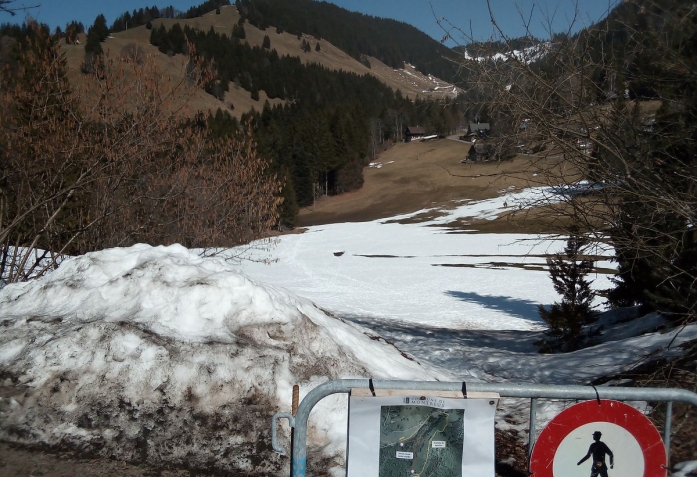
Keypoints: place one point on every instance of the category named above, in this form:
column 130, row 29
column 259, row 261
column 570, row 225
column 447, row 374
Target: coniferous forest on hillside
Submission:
column 331, row 123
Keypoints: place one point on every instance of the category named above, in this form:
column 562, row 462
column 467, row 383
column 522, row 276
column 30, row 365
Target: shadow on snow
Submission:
column 517, row 307
column 421, row 339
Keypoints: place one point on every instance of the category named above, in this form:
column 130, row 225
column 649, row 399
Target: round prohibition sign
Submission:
column 599, row 411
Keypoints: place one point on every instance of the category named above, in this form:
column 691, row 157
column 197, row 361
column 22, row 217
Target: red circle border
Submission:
column 614, row 412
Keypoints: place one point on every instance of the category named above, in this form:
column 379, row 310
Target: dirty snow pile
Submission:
column 155, row 354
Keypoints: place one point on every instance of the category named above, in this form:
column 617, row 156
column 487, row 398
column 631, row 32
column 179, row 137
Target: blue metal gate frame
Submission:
column 510, row 390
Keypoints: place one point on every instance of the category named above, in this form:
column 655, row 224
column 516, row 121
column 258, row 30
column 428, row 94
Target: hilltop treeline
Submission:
column 331, row 122
column 142, row 16
column 205, row 7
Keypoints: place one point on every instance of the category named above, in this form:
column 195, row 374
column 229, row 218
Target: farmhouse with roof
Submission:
column 413, row 132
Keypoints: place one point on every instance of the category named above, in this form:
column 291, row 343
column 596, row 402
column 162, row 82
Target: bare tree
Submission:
column 123, row 163
column 612, row 113
column 7, row 7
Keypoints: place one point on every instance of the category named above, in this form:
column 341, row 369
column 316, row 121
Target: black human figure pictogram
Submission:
column 598, row 450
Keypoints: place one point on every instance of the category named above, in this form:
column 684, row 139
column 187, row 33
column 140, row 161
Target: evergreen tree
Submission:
column 97, row 33
column 238, row 32
column 100, row 29
column 177, row 39
column 568, row 272
column 266, row 43
column 92, row 44
column 158, row 35
column 317, row 47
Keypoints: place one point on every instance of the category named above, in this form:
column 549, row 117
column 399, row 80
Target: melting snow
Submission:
column 155, row 353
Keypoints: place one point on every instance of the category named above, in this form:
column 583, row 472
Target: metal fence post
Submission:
column 531, row 429
column 667, row 429
column 293, row 411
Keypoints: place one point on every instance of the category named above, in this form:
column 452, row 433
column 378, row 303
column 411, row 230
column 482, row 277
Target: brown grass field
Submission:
column 420, row 175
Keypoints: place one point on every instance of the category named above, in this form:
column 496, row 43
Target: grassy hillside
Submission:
column 410, row 81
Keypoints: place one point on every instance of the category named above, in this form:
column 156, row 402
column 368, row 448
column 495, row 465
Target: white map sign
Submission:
column 413, row 435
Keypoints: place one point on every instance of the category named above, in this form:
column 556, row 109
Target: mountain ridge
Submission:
column 409, row 80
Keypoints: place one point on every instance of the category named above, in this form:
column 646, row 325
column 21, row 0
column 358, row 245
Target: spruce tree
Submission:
column 99, row 27
column 93, row 44
column 568, row 272
column 238, row 32
column 97, row 33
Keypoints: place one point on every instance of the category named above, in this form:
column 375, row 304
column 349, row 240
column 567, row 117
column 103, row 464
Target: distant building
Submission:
column 480, row 152
column 478, row 129
column 413, row 132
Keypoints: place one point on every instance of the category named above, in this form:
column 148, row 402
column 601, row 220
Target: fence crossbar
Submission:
column 509, row 390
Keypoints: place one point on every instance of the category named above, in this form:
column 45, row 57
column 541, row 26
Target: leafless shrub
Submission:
column 133, row 53
column 131, row 166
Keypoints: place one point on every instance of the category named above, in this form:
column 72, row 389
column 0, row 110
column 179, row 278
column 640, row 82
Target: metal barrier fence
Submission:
column 514, row 390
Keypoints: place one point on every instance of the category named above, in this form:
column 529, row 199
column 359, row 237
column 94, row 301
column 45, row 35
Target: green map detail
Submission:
column 413, row 429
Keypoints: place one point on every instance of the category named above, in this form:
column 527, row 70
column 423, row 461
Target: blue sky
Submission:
column 468, row 15
column 473, row 18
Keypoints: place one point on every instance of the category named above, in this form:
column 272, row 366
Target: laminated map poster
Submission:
column 416, row 435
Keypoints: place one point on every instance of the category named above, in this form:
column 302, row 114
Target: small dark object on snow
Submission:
column 338, row 254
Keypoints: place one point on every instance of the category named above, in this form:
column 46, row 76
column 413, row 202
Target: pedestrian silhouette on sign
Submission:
column 598, row 450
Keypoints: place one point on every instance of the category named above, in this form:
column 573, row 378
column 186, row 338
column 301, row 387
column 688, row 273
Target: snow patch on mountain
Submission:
column 527, row 55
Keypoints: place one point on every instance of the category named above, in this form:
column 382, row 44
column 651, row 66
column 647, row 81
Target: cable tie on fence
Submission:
column 464, row 390
column 597, row 395
column 371, row 387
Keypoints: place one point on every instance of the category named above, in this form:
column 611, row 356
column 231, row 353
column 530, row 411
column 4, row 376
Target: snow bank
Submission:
column 155, row 354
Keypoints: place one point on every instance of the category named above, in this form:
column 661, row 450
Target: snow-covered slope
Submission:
column 156, row 354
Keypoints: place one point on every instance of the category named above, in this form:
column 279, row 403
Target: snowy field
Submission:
column 154, row 353
column 423, row 274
